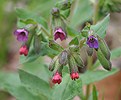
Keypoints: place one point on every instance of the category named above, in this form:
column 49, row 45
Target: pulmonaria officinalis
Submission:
column 59, row 33
column 57, row 78
column 23, row 50
column 22, row 35
column 92, row 42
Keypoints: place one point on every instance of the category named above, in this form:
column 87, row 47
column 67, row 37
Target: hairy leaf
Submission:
column 100, row 27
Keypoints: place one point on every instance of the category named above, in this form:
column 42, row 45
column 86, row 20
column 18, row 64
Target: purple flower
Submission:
column 22, row 35
column 92, row 42
column 59, row 33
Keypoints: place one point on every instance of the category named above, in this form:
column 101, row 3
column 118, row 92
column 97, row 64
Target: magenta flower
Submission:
column 23, row 50
column 22, row 35
column 92, row 42
column 59, row 33
column 57, row 78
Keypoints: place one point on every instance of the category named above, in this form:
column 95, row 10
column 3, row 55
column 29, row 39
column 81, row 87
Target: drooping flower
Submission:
column 74, row 75
column 59, row 33
column 92, row 42
column 57, row 78
column 22, row 35
column 23, row 50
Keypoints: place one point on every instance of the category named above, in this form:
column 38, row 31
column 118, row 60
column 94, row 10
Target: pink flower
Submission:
column 22, row 35
column 23, row 50
column 57, row 78
column 74, row 75
column 59, row 33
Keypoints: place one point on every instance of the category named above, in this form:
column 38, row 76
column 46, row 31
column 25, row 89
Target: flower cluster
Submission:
column 65, row 58
column 22, row 36
column 70, row 56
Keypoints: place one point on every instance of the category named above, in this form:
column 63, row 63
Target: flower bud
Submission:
column 89, row 51
column 55, row 12
column 63, row 58
column 23, row 50
column 74, row 75
column 104, row 62
column 86, row 30
column 78, row 60
column 63, row 5
column 57, row 78
column 72, row 64
column 104, row 48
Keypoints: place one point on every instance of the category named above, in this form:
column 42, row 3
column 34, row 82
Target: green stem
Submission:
column 44, row 30
column 89, row 85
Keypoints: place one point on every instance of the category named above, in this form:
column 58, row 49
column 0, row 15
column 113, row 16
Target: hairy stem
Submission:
column 89, row 85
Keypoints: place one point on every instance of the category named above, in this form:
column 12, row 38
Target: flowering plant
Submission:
column 70, row 49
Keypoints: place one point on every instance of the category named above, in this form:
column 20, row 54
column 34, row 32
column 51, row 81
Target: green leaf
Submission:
column 74, row 41
column 10, row 82
column 100, row 27
column 28, row 21
column 38, row 68
column 95, row 96
column 115, row 53
column 71, row 31
column 35, row 84
column 24, row 14
column 93, row 76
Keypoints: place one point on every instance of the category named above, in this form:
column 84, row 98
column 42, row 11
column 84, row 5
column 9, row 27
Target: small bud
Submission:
column 72, row 64
column 57, row 78
column 104, row 48
column 63, row 58
column 22, row 35
column 64, row 5
column 86, row 30
column 104, row 62
column 92, row 42
column 89, row 51
column 55, row 12
column 78, row 60
column 23, row 50
column 59, row 33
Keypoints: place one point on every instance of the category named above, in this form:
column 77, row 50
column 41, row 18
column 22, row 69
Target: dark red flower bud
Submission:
column 57, row 78
column 74, row 75
column 23, row 50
